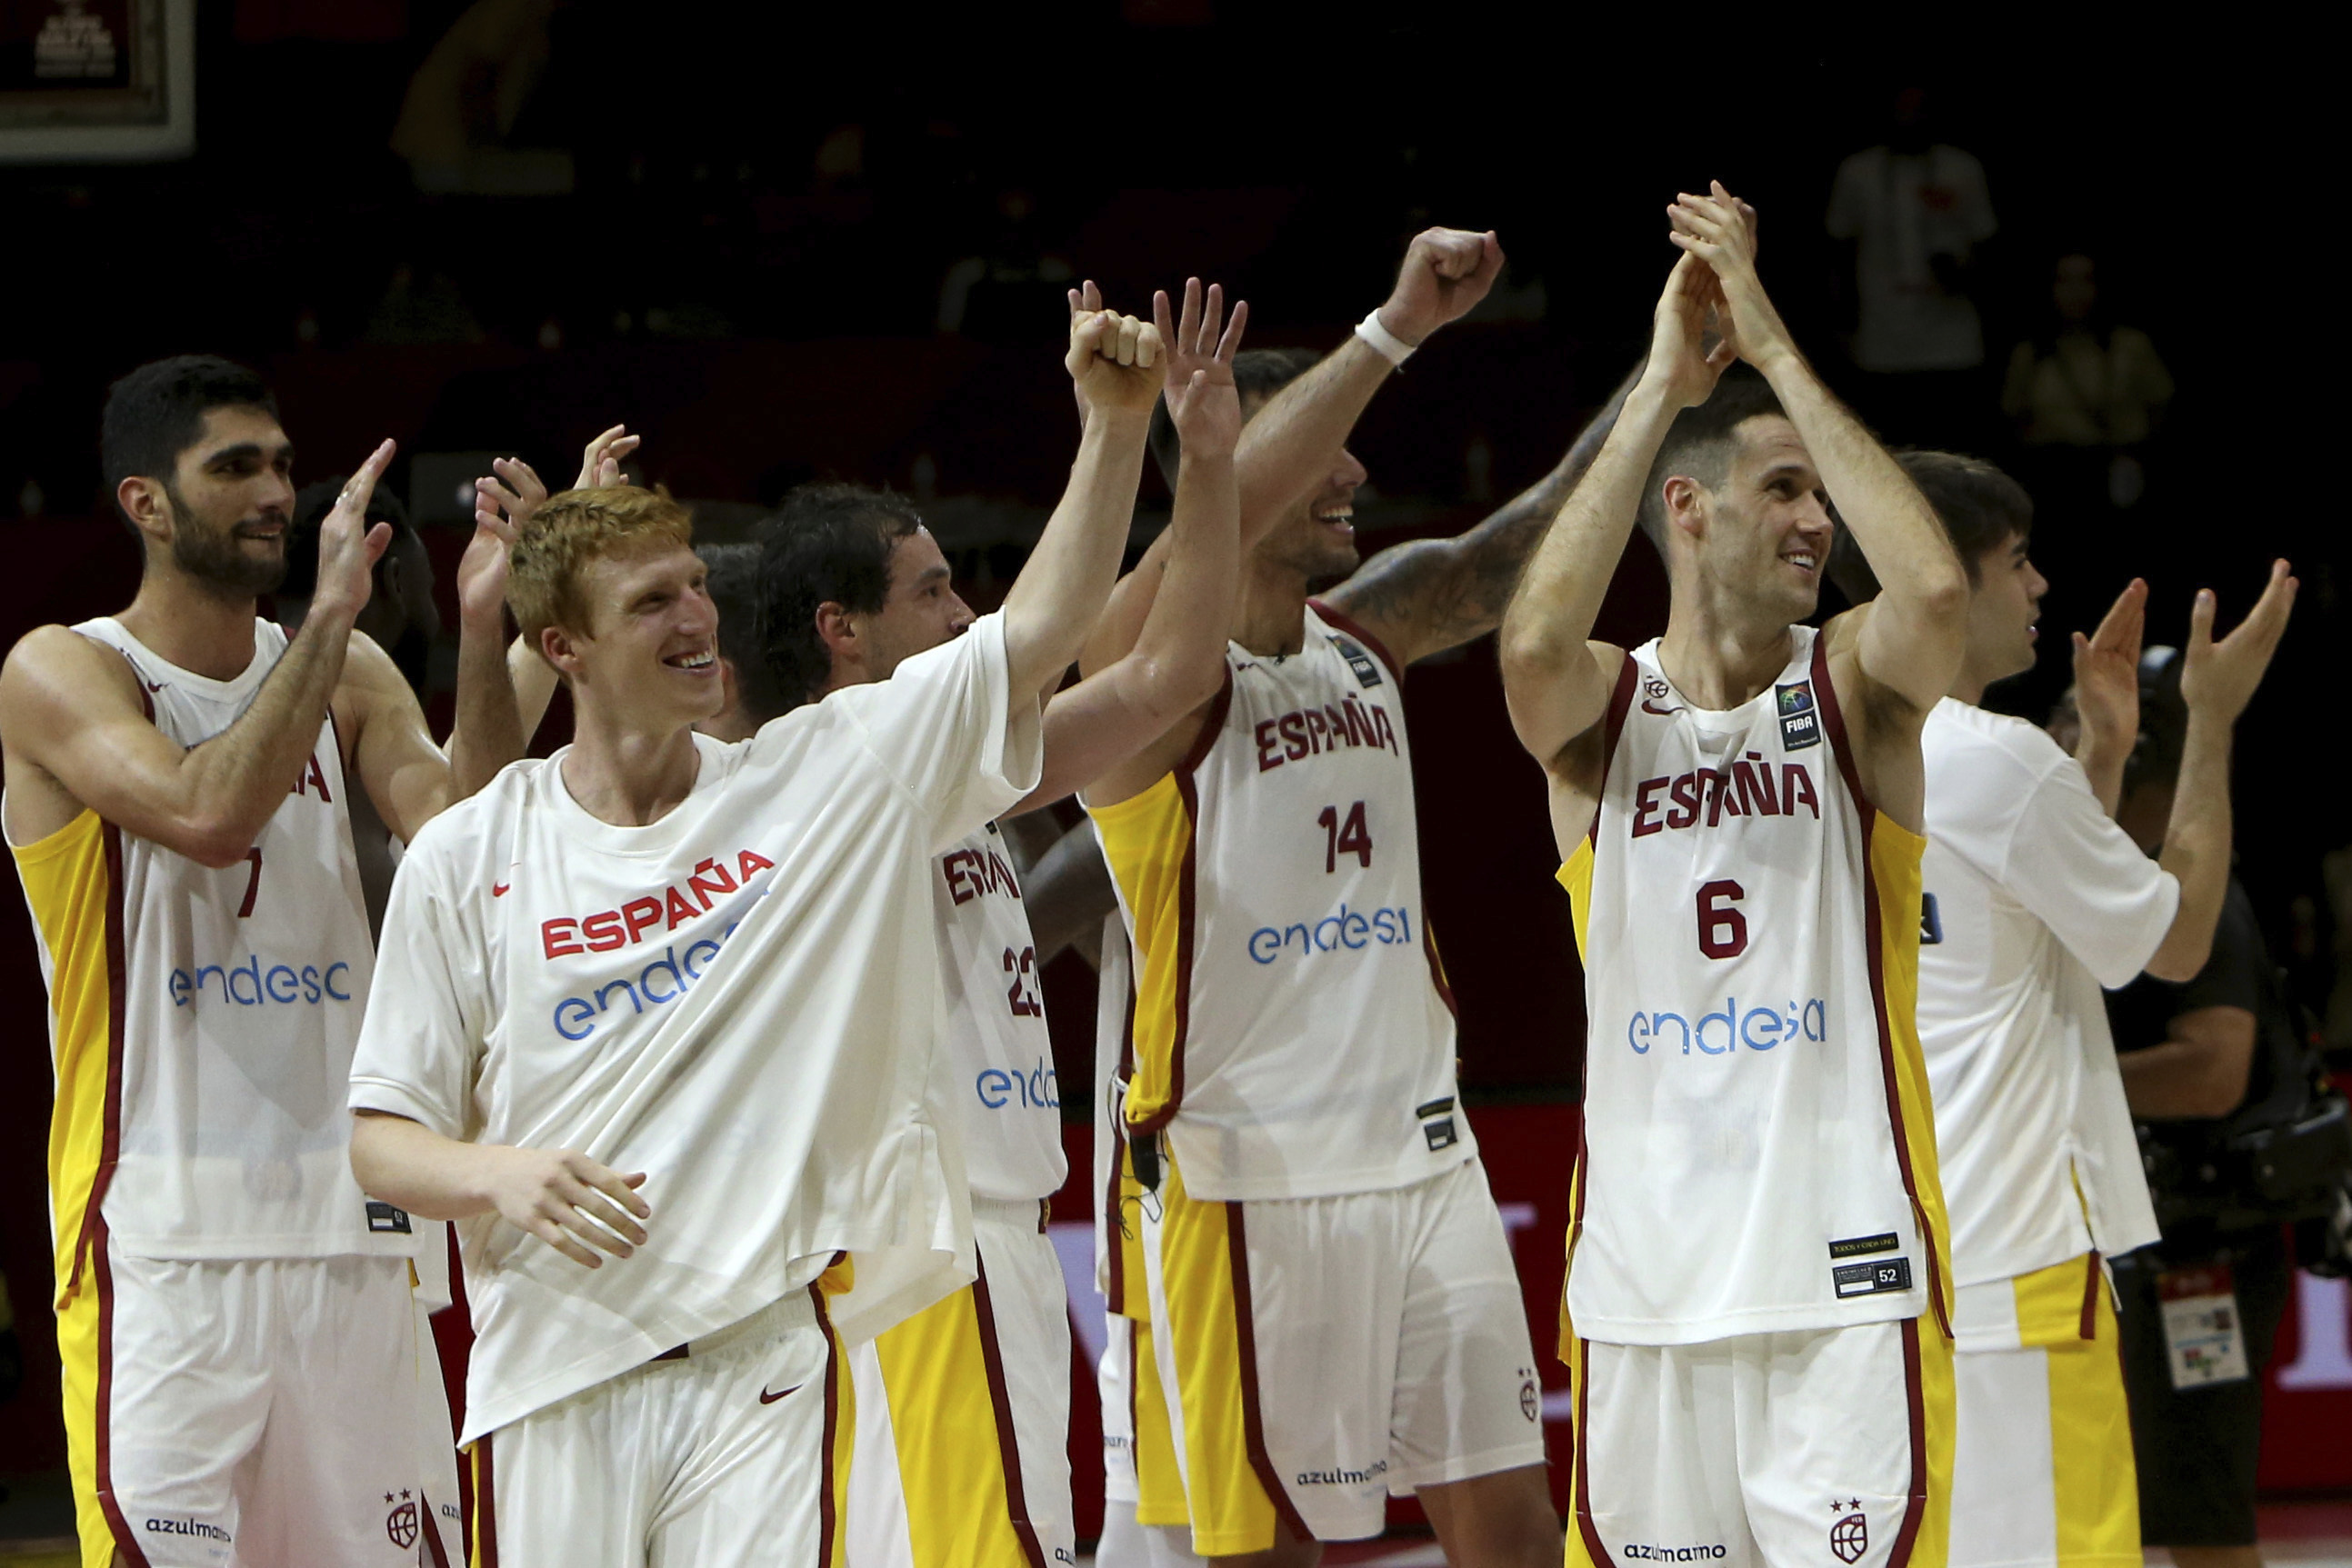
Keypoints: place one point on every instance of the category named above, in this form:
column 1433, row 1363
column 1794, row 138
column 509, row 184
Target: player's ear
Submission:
column 562, row 650
column 837, row 629
column 1686, row 500
column 143, row 501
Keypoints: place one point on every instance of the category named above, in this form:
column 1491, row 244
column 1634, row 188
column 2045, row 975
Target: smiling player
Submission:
column 234, row 1318
column 1755, row 1317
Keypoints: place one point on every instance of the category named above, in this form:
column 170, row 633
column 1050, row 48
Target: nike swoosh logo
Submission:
column 499, row 889
column 1649, row 706
column 767, row 1398
column 155, row 686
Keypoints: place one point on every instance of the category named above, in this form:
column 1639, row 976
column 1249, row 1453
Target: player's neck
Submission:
column 189, row 624
column 1271, row 619
column 625, row 774
column 1720, row 660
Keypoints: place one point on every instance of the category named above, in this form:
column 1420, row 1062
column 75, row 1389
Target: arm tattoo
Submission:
column 1437, row 593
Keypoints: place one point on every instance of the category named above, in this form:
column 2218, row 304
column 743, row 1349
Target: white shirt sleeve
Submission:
column 2079, row 873
column 948, row 726
column 422, row 1040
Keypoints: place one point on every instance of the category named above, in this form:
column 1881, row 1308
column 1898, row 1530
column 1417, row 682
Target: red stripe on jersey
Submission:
column 1621, row 703
column 834, row 1372
column 91, row 1235
column 1008, row 1441
column 1253, row 1423
column 1355, row 629
column 1212, row 726
column 2090, row 1296
column 125, row 1542
column 1915, row 1399
column 1833, row 726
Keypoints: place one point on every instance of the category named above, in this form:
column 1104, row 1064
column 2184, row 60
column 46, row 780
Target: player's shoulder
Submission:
column 1963, row 731
column 464, row 831
column 54, row 662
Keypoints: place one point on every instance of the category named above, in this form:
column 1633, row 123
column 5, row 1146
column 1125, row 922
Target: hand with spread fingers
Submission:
column 348, row 546
column 2106, row 672
column 2218, row 678
column 1114, row 360
column 1446, row 273
column 1720, row 230
column 505, row 499
column 1683, row 365
column 1200, row 346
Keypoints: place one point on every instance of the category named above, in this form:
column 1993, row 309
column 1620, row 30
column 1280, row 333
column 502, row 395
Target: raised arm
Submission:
column 1427, row 595
column 2217, row 680
column 1117, row 721
column 1288, row 449
column 1556, row 682
column 1114, row 362
column 74, row 722
column 1910, row 640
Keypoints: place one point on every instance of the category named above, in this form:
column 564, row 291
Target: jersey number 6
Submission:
column 1722, row 928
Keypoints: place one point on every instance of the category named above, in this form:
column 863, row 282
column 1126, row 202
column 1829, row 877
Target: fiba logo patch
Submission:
column 1799, row 724
column 1850, row 1536
column 401, row 1522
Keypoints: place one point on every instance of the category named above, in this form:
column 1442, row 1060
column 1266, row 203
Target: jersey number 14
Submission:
column 1350, row 837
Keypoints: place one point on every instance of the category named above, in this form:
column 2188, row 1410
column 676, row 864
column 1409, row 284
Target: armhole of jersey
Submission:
column 1834, row 721
column 1355, row 629
column 1212, row 724
column 1621, row 703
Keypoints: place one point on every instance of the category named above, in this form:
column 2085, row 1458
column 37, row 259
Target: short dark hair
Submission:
column 734, row 587
column 828, row 543
column 312, row 505
column 1699, row 443
column 1980, row 508
column 157, row 412
column 1257, row 373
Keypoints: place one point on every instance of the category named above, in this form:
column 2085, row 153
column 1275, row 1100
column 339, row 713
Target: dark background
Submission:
column 731, row 232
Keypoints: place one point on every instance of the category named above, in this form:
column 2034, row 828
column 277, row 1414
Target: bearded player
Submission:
column 1758, row 1296
column 240, row 1346
column 1318, row 1282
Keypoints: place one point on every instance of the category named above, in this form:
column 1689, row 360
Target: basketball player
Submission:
column 658, row 962
column 234, row 1316
column 2034, row 898
column 963, row 1410
column 1333, row 1313
column 1758, row 1231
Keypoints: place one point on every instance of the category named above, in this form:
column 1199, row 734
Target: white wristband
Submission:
column 1382, row 342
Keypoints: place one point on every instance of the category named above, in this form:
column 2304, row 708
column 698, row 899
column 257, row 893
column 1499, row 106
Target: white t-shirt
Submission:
column 1906, row 209
column 742, row 1000
column 2034, row 899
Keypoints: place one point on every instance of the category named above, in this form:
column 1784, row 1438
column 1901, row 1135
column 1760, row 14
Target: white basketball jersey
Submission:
column 1759, row 1153
column 1292, row 1030
column 202, row 1022
column 1000, row 1053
